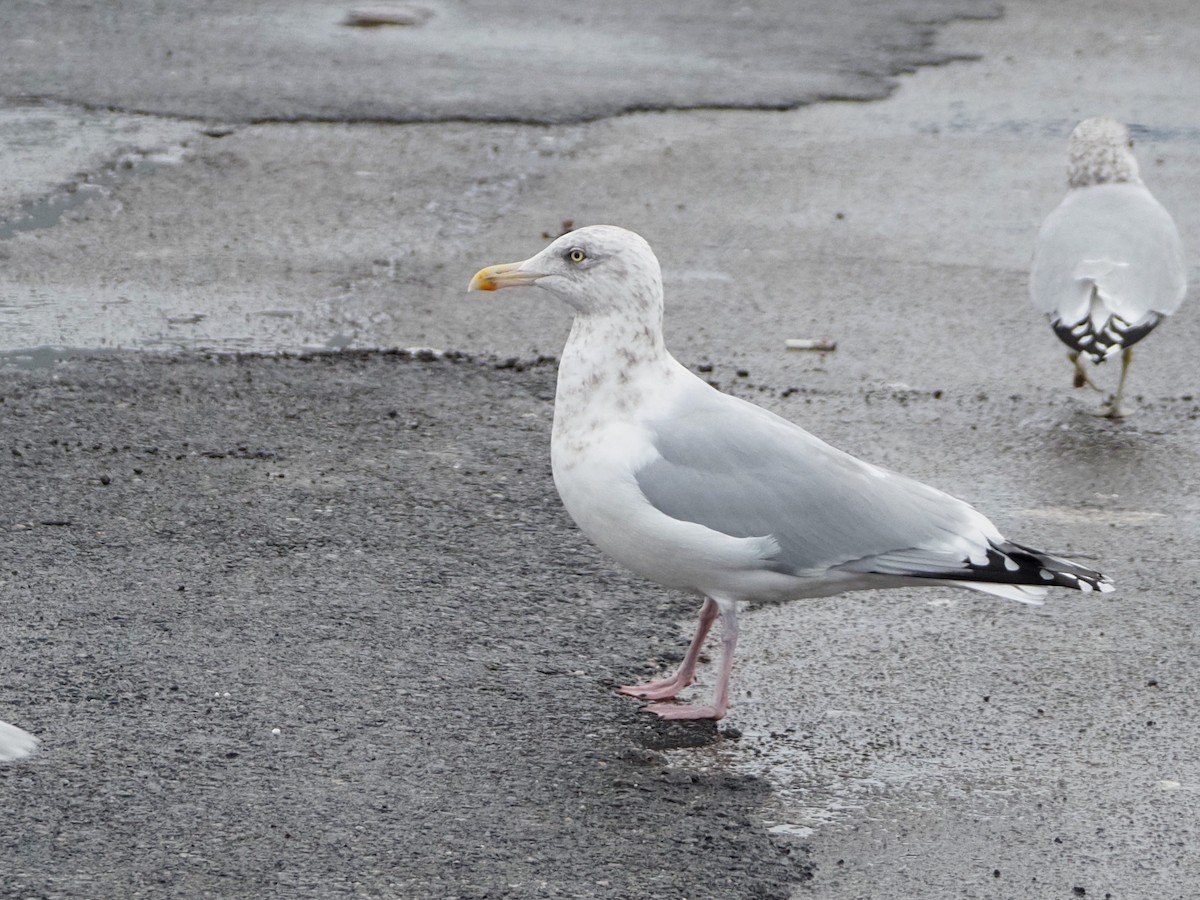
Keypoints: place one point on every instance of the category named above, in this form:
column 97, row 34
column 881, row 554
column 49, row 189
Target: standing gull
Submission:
column 699, row 490
column 1108, row 263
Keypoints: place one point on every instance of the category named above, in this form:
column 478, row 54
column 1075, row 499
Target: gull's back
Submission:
column 1114, row 242
column 743, row 471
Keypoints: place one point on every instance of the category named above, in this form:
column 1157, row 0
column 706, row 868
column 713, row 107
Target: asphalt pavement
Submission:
column 320, row 627
column 314, row 624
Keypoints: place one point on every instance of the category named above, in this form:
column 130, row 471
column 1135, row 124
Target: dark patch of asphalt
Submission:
column 365, row 552
column 506, row 60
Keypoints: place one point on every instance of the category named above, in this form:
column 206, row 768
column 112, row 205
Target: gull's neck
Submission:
column 612, row 366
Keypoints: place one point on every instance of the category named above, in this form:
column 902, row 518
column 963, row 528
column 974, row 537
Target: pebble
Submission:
column 387, row 14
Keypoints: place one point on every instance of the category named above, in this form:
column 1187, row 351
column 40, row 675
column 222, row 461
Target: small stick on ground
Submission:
column 824, row 344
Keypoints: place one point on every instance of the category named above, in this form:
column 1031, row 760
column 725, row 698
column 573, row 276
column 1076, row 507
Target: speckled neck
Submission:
column 608, row 366
column 603, row 356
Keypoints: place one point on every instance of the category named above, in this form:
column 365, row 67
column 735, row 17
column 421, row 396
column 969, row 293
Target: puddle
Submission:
column 45, row 357
column 810, row 792
column 46, row 213
column 49, row 210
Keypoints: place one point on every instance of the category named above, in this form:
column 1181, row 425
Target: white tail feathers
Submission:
column 1022, row 593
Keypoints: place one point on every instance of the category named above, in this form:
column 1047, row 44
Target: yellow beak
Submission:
column 504, row 275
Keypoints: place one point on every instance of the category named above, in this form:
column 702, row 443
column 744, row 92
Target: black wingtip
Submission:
column 1016, row 564
column 1035, row 567
column 1115, row 335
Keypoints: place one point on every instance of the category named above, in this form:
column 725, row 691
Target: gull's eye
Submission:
column 576, row 255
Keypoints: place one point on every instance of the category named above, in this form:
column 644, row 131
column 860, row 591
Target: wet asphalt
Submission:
column 318, row 626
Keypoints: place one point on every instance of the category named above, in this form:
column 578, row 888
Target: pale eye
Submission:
column 576, row 255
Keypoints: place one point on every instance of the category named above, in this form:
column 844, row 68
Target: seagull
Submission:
column 15, row 743
column 1108, row 263
column 698, row 490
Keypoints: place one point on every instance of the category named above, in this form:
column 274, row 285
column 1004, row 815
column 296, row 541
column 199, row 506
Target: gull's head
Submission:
column 1101, row 152
column 597, row 269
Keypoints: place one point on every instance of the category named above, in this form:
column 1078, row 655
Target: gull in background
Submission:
column 1108, row 263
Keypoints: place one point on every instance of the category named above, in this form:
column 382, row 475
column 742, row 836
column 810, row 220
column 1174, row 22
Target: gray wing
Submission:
column 742, row 471
column 1118, row 238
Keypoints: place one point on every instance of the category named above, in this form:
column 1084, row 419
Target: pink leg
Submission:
column 666, row 688
column 720, row 701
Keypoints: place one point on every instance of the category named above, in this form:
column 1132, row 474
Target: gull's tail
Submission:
column 1021, row 573
column 15, row 743
column 1098, row 344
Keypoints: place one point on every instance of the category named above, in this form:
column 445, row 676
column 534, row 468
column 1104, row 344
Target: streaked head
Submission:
column 1101, row 152
column 597, row 269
